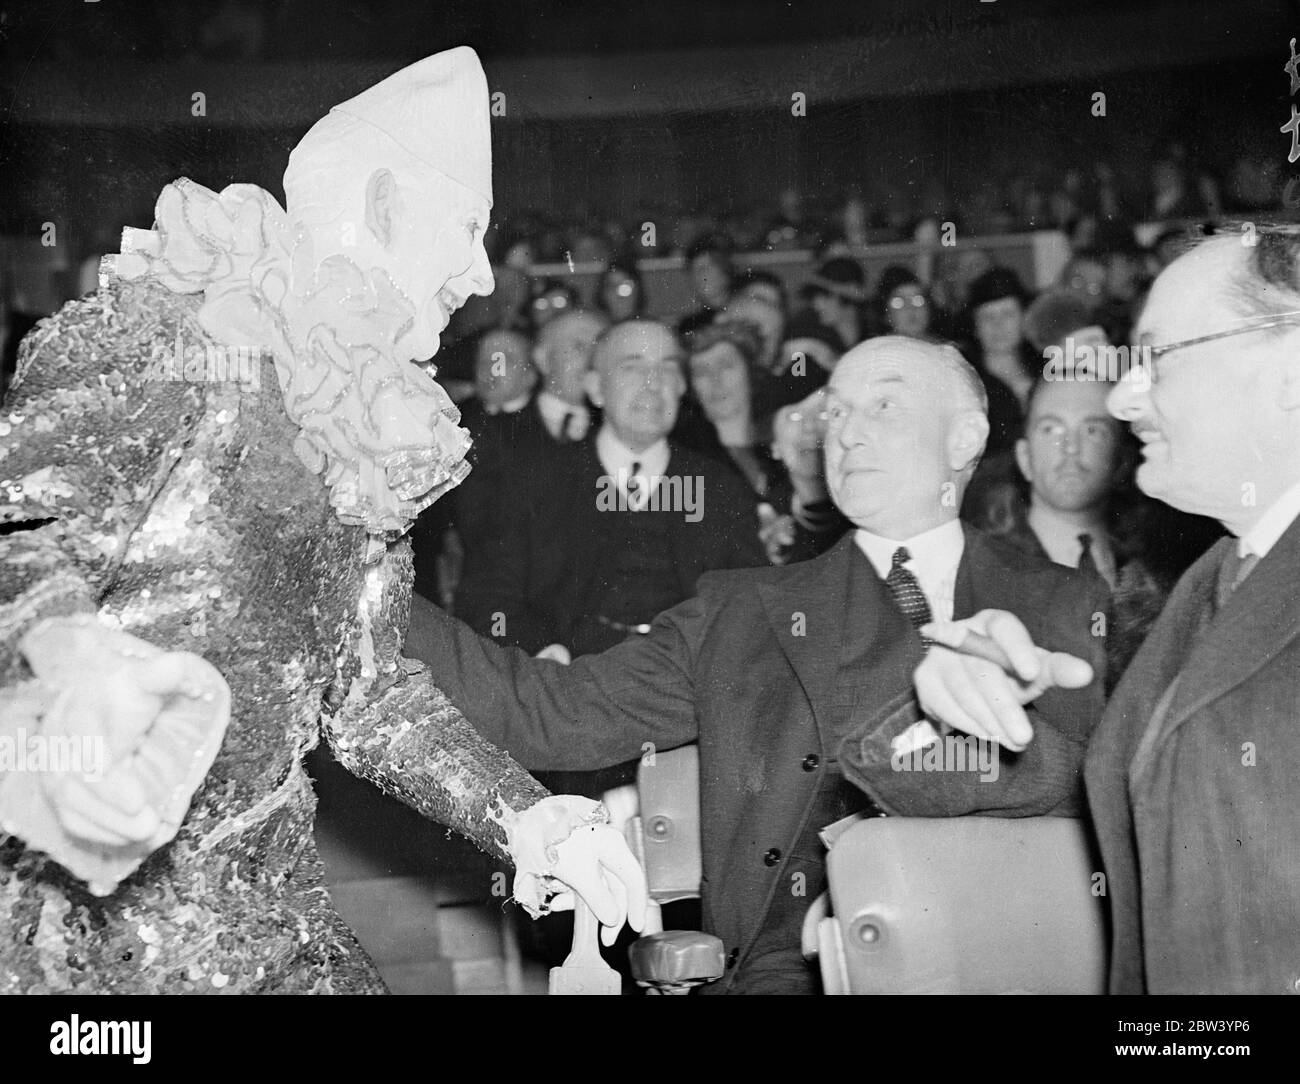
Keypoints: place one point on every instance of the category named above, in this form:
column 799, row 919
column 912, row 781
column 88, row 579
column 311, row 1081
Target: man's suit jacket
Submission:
column 501, row 443
column 1199, row 817
column 778, row 672
column 554, row 542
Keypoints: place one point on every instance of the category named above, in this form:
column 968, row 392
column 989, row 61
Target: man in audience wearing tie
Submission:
column 563, row 357
column 1192, row 773
column 591, row 548
column 807, row 685
column 1069, row 457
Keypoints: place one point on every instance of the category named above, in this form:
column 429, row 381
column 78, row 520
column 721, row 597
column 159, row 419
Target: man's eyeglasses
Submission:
column 917, row 301
column 1148, row 351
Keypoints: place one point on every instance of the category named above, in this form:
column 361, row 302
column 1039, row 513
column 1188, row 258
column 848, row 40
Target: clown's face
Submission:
column 436, row 256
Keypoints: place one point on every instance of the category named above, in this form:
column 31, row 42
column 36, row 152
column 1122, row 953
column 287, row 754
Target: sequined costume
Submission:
column 180, row 505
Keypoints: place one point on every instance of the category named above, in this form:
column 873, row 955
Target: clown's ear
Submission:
column 381, row 205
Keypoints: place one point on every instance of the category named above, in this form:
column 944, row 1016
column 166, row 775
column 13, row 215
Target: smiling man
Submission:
column 1192, row 775
column 802, row 684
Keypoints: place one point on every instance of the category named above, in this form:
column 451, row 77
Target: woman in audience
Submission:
column 619, row 293
column 903, row 304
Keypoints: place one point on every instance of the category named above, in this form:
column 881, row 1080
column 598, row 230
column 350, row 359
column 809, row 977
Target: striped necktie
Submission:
column 906, row 590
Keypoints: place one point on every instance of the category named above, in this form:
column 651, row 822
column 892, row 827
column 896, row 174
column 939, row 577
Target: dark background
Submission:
column 638, row 110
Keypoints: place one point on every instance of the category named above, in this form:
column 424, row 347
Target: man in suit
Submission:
column 800, row 680
column 1191, row 776
column 619, row 527
column 563, row 358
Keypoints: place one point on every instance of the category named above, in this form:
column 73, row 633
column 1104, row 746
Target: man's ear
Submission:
column 381, row 205
column 1022, row 458
column 966, row 438
column 591, row 382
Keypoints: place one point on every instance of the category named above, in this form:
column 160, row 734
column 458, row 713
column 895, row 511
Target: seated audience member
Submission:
column 619, row 293
column 805, row 361
column 761, row 286
column 761, row 303
column 1058, row 316
column 1007, row 364
column 497, row 418
column 708, row 263
column 563, row 358
column 724, row 372
column 504, row 376
column 837, row 295
column 623, row 525
column 1084, row 277
column 903, row 304
column 796, row 731
column 551, row 299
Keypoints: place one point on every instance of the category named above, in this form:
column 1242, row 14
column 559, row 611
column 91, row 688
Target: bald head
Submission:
column 907, row 425
column 637, row 378
column 502, row 370
column 563, row 352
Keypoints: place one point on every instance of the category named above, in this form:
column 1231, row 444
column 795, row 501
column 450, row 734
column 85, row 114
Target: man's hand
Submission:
column 775, row 532
column 979, row 697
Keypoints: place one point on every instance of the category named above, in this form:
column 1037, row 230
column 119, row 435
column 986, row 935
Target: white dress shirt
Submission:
column 1272, row 525
column 935, row 556
column 618, row 459
column 554, row 410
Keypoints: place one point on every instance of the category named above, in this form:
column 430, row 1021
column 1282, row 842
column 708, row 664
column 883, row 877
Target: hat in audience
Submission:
column 840, row 277
column 994, row 285
column 1054, row 316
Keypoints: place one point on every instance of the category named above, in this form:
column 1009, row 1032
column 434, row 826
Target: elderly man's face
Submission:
column 890, row 453
column 564, row 349
column 502, row 371
column 1215, row 427
column 638, row 382
column 1068, row 452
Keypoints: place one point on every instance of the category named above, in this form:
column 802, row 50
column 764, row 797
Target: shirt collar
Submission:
column 554, row 410
column 616, row 456
column 510, row 406
column 942, row 545
column 1271, row 525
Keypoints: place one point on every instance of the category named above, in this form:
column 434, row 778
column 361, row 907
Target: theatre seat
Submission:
column 665, row 837
column 975, row 905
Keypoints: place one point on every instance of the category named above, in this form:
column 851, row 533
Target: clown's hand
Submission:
column 564, row 846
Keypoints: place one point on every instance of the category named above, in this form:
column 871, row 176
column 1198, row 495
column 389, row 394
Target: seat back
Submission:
column 964, row 905
column 668, row 785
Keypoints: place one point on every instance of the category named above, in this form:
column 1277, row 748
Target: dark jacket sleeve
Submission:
column 1045, row 778
column 601, row 710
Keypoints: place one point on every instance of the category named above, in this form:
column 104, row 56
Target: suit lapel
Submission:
column 1257, row 621
column 854, row 642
